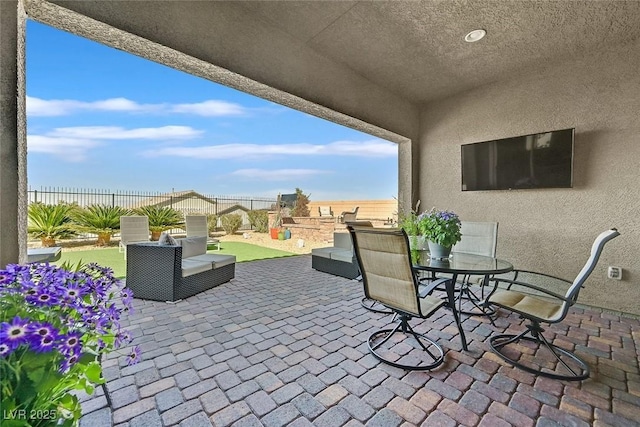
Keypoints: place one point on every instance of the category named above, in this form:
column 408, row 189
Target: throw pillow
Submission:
column 167, row 239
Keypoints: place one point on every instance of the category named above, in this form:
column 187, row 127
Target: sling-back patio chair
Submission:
column 535, row 302
column 388, row 276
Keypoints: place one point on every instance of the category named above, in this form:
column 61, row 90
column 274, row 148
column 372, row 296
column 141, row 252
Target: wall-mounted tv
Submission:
column 541, row 160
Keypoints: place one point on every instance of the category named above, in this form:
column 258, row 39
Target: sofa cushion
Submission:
column 191, row 267
column 342, row 240
column 342, row 255
column 192, row 246
column 324, row 252
column 216, row 261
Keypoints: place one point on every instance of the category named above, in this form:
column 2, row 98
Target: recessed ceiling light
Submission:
column 475, row 35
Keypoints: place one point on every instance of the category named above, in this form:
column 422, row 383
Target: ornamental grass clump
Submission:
column 55, row 324
column 441, row 227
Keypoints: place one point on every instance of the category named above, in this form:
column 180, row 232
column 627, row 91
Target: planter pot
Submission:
column 104, row 239
column 280, row 235
column 287, row 234
column 437, row 251
column 48, row 242
column 418, row 243
column 273, row 232
column 155, row 235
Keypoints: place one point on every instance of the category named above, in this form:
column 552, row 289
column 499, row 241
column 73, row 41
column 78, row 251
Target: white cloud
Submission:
column 73, row 143
column 278, row 174
column 371, row 148
column 116, row 132
column 64, row 107
column 70, row 149
column 211, row 108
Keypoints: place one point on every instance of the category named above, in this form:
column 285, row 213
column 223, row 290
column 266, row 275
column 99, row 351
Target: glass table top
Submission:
column 460, row 263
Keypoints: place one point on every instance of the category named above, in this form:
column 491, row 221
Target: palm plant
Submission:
column 161, row 218
column 50, row 222
column 103, row 220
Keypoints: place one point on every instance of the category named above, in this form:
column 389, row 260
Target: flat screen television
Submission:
column 540, row 160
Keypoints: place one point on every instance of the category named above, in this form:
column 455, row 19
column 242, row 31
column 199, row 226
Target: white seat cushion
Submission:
column 191, row 266
column 192, row 246
column 216, row 261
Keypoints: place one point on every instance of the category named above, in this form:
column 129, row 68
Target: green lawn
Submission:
column 110, row 257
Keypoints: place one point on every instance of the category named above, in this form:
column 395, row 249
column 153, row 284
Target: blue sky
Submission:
column 101, row 118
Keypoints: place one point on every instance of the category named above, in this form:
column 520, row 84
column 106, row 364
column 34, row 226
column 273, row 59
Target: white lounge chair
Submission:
column 197, row 227
column 133, row 229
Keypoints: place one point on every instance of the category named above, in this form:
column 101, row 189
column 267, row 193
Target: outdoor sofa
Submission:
column 338, row 259
column 173, row 272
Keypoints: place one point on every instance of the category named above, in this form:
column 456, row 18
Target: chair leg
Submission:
column 578, row 372
column 401, row 359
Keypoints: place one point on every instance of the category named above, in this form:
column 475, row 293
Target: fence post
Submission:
column 113, row 200
column 35, row 196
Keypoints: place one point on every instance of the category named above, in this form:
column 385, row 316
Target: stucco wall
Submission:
column 552, row 230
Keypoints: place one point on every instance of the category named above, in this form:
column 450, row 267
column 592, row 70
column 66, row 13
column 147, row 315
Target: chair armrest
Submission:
column 431, row 286
column 530, row 286
column 516, row 272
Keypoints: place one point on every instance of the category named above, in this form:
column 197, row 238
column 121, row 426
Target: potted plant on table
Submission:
column 442, row 231
column 409, row 223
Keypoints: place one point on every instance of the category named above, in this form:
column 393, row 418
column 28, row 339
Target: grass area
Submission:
column 110, row 257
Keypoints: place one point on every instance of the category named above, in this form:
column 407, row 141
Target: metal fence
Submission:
column 188, row 202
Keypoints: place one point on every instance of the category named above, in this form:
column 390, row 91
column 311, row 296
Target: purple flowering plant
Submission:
column 55, row 324
column 441, row 227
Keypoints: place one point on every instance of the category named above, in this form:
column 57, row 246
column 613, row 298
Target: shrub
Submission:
column 55, row 324
column 50, row 222
column 231, row 223
column 161, row 218
column 103, row 220
column 259, row 220
column 302, row 204
column 212, row 222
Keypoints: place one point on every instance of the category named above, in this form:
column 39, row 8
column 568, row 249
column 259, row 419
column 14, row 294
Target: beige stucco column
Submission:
column 12, row 134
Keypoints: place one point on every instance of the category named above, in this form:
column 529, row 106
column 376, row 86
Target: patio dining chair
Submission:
column 388, row 276
column 478, row 238
column 530, row 295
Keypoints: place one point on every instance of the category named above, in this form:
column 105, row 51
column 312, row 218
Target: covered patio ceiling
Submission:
column 362, row 57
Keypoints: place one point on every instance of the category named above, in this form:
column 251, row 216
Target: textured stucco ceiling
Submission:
column 413, row 49
column 416, row 48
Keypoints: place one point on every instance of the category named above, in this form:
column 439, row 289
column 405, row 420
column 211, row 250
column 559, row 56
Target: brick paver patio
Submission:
column 283, row 344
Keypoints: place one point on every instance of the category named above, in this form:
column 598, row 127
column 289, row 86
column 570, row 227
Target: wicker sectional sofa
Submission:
column 338, row 259
column 173, row 272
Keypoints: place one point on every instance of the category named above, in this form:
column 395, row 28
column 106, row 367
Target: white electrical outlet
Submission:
column 614, row 273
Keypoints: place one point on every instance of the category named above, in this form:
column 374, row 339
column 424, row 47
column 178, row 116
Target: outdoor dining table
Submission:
column 459, row 264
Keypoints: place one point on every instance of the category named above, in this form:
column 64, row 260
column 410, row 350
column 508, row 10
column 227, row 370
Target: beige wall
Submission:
column 368, row 209
column 552, row 230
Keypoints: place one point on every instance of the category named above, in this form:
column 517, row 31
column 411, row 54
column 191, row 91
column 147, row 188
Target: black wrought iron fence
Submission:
column 188, row 202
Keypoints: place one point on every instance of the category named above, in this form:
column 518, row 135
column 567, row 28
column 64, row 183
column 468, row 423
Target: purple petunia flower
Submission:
column 43, row 344
column 68, row 362
column 70, row 343
column 5, row 350
column 43, row 298
column 15, row 333
column 134, row 356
